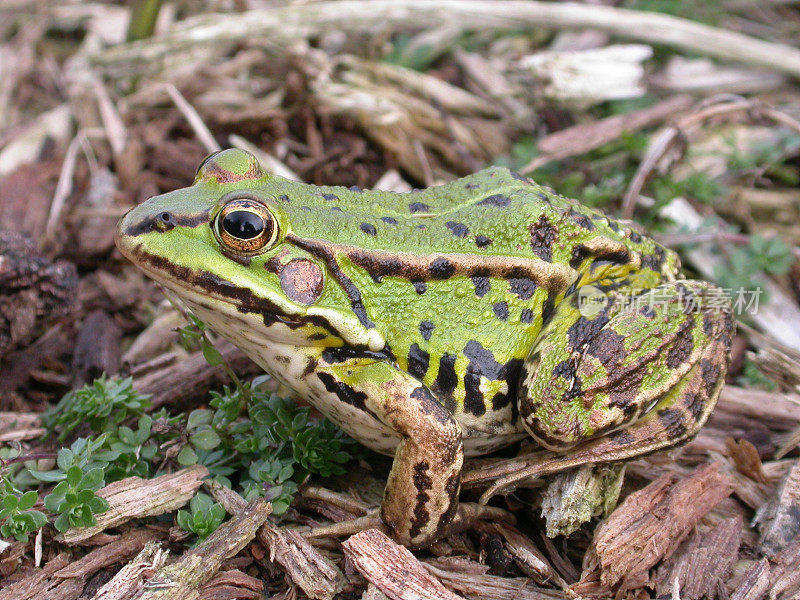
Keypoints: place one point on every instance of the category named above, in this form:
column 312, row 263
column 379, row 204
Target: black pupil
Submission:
column 243, row 224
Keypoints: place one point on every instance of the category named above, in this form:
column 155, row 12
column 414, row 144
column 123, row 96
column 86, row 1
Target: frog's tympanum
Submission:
column 446, row 322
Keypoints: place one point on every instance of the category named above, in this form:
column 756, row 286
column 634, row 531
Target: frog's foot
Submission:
column 421, row 496
column 638, row 375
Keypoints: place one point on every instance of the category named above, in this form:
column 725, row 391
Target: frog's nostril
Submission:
column 165, row 221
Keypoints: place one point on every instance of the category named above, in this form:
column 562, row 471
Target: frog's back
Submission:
column 492, row 213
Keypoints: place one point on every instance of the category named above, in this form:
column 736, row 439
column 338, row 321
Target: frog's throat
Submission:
column 185, row 281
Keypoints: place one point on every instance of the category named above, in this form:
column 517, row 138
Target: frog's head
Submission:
column 226, row 246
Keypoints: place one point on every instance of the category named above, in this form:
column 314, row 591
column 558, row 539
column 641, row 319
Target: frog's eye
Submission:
column 246, row 226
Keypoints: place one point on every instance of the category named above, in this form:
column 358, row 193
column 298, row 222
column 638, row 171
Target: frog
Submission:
column 444, row 323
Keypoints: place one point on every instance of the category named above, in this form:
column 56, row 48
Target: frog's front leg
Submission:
column 421, row 496
column 631, row 373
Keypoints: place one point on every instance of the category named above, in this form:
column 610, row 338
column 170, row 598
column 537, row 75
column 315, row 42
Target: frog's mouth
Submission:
column 199, row 287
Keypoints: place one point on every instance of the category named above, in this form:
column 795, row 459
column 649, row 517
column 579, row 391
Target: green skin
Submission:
column 445, row 322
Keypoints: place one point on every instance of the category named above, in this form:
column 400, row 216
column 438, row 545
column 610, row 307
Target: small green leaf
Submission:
column 64, row 459
column 187, row 456
column 98, row 505
column 39, row 518
column 93, row 480
column 207, row 439
column 74, row 475
column 62, row 522
column 54, row 503
column 48, row 476
column 184, row 520
column 201, row 416
column 28, row 499
column 211, row 354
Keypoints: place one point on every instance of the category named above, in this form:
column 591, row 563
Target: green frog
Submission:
column 446, row 322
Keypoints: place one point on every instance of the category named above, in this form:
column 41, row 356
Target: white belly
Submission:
column 289, row 364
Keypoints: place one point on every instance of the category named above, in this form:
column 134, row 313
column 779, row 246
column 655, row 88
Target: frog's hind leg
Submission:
column 421, row 497
column 616, row 376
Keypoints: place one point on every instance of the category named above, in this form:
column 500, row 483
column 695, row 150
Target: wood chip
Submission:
column 392, row 568
column 589, row 136
column 183, row 579
column 573, row 497
column 754, row 583
column 702, row 563
column 33, row 290
column 118, row 550
column 130, row 579
column 17, row 426
column 37, row 585
column 527, row 556
column 475, row 585
column 193, row 377
column 373, row 593
column 779, row 519
column 233, row 584
column 650, row 524
column 135, row 497
column 312, row 572
column 97, row 348
column 784, row 582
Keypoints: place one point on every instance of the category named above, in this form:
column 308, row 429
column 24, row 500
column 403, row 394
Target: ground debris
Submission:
column 649, row 525
column 392, row 568
column 398, row 95
column 42, row 584
column 121, row 548
column 575, row 496
column 183, row 579
column 175, row 384
column 702, row 563
column 526, row 555
column 134, row 497
column 130, row 579
column 779, row 518
column 474, row 584
column 232, row 585
column 32, row 288
column 309, row 569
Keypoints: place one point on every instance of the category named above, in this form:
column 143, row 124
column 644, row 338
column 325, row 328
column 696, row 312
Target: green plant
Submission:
column 752, row 377
column 771, row 254
column 194, row 335
column 102, row 406
column 696, row 186
column 16, row 512
column 768, row 159
column 83, row 453
column 203, row 518
column 202, row 436
column 746, row 266
column 129, row 452
column 279, row 428
column 74, row 499
column 265, row 444
column 272, row 478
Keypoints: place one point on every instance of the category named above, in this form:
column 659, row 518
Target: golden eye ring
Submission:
column 245, row 225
